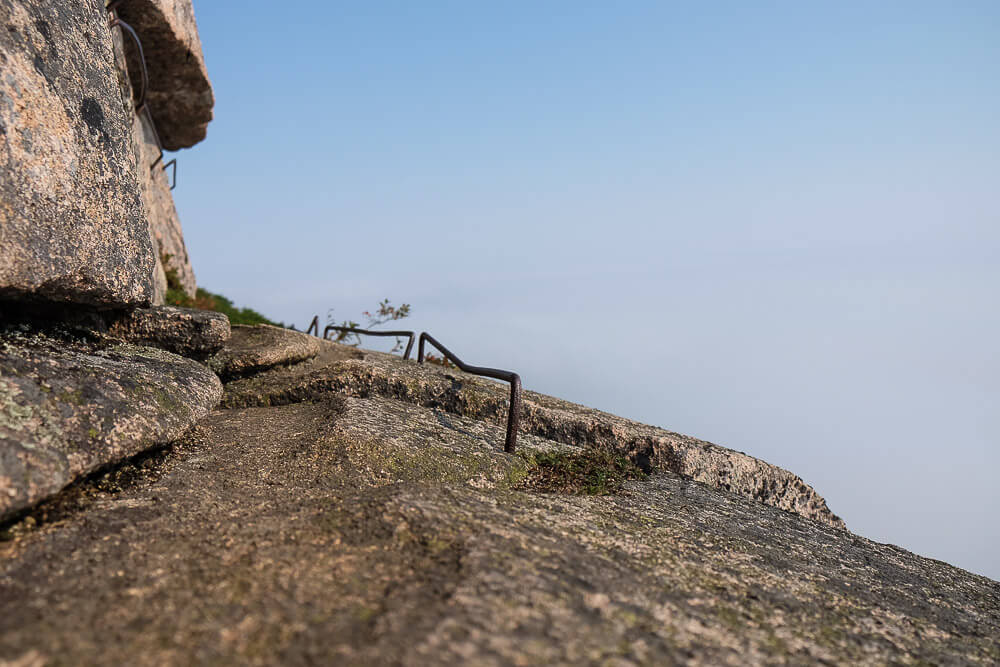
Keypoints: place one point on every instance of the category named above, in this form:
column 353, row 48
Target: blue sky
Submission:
column 773, row 227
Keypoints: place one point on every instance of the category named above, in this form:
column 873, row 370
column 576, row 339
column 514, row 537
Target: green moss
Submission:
column 593, row 472
column 74, row 396
column 731, row 618
column 517, row 473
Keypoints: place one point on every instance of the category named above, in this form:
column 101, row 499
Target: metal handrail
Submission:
column 513, row 413
column 115, row 21
column 366, row 332
column 140, row 105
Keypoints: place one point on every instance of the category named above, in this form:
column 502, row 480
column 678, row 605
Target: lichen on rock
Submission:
column 185, row 331
column 72, row 225
column 69, row 406
column 550, row 418
column 373, row 531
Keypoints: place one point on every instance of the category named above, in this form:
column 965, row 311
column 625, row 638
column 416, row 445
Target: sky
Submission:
column 774, row 227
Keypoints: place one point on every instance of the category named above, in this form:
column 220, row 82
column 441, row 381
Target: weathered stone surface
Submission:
column 185, row 331
column 252, row 349
column 164, row 222
column 68, row 407
column 71, row 221
column 369, row 531
column 551, row 418
column 180, row 94
column 154, row 180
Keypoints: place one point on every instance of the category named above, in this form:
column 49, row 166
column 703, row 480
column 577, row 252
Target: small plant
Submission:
column 432, row 358
column 385, row 312
column 592, row 472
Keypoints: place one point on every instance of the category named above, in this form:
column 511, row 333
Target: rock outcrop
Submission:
column 180, row 93
column 252, row 349
column 86, row 212
column 345, row 505
column 352, row 373
column 164, row 223
column 72, row 225
column 175, row 107
column 185, row 331
column 373, row 531
column 69, row 406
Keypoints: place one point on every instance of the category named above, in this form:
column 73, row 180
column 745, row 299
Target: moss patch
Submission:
column 593, row 472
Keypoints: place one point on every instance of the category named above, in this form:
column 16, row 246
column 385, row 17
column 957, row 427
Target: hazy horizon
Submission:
column 773, row 227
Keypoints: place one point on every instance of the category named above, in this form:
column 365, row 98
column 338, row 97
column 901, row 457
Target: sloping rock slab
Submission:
column 252, row 349
column 185, row 331
column 306, row 534
column 72, row 226
column 544, row 416
column 165, row 228
column 68, row 407
column 288, row 383
column 180, row 94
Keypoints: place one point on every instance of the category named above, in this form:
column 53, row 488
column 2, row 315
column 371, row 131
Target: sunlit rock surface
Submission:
column 72, row 225
column 180, row 94
column 69, row 406
column 373, row 531
column 451, row 390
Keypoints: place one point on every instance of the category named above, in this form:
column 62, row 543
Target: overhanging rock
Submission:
column 179, row 94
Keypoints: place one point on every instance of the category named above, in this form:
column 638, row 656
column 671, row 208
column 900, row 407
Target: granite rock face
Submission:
column 252, row 349
column 165, row 229
column 180, row 94
column 184, row 331
column 68, row 407
column 376, row 532
column 72, row 226
column 651, row 448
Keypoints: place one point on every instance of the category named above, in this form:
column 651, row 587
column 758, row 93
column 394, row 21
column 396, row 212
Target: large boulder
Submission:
column 176, row 70
column 186, row 331
column 180, row 94
column 69, row 406
column 252, row 349
column 72, row 226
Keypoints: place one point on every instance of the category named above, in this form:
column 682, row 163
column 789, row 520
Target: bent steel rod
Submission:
column 513, row 414
column 365, row 332
column 140, row 105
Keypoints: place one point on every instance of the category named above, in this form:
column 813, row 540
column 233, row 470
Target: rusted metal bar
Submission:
column 513, row 413
column 366, row 332
column 140, row 104
column 115, row 21
column 313, row 326
column 173, row 181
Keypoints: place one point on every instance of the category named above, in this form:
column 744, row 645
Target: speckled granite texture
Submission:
column 376, row 532
column 72, row 225
column 252, row 349
column 70, row 406
column 652, row 448
column 185, row 331
column 180, row 93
